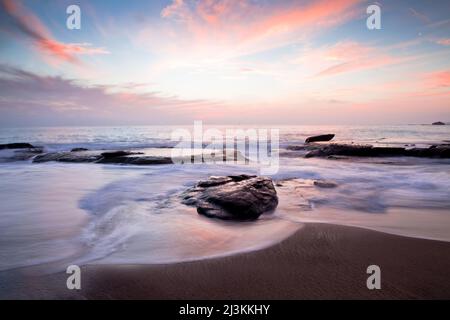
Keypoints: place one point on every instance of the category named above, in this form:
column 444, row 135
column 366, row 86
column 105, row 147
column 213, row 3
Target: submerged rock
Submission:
column 241, row 197
column 296, row 148
column 325, row 184
column 20, row 145
column 78, row 149
column 322, row 137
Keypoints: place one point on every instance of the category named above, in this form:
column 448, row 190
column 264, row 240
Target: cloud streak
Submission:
column 37, row 99
column 439, row 79
column 352, row 56
column 422, row 17
column 230, row 28
column 443, row 42
column 23, row 23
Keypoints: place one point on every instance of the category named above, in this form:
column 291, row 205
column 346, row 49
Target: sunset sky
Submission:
column 224, row 61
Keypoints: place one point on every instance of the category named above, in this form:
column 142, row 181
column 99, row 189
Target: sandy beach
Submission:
column 320, row 261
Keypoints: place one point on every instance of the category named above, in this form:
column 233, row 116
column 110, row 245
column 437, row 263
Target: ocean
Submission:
column 56, row 214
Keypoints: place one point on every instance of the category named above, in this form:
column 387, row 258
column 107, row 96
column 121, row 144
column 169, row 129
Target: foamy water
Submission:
column 55, row 214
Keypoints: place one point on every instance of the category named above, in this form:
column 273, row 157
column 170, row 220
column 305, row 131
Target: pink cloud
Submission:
column 243, row 13
column 244, row 26
column 177, row 8
column 348, row 50
column 319, row 13
column 352, row 56
column 25, row 23
column 444, row 42
column 351, row 66
column 439, row 79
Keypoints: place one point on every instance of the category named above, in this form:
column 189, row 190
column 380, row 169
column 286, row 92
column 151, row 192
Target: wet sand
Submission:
column 320, row 261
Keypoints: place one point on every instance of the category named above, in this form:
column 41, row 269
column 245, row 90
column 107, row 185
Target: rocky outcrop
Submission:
column 138, row 160
column 353, row 150
column 12, row 155
column 439, row 123
column 116, row 154
column 441, row 151
column 66, row 156
column 113, row 157
column 80, row 155
column 16, row 146
column 322, row 137
column 241, row 197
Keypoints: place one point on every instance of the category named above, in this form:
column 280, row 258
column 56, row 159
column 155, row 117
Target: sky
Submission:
column 223, row 62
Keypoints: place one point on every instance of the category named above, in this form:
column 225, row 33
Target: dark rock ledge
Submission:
column 81, row 155
column 78, row 149
column 20, row 145
column 18, row 152
column 114, row 157
column 354, row 150
column 335, row 150
column 440, row 151
column 240, row 197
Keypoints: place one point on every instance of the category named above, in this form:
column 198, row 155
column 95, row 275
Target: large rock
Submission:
column 239, row 197
column 322, row 137
column 439, row 123
column 20, row 145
